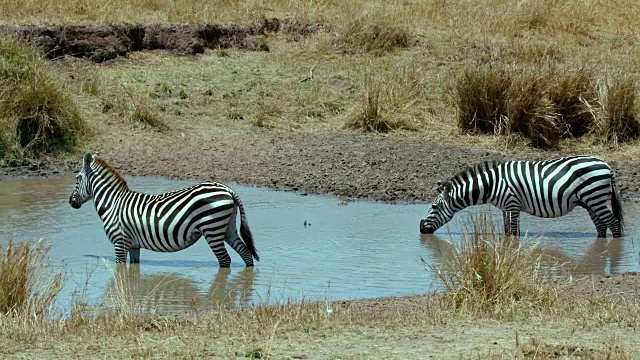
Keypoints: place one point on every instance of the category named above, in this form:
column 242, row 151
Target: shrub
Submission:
column 37, row 115
column 490, row 275
column 480, row 96
column 619, row 122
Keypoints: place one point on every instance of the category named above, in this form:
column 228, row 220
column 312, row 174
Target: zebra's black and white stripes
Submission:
column 167, row 222
column 548, row 188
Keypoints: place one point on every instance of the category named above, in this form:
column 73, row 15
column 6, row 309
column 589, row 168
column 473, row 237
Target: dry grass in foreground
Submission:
column 26, row 288
column 498, row 276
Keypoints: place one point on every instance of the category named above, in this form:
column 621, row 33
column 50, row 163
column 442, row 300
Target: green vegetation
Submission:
column 37, row 113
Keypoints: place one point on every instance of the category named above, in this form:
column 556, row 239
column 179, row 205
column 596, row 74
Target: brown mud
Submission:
column 351, row 166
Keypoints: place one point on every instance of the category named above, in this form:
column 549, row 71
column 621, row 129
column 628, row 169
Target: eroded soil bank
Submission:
column 102, row 43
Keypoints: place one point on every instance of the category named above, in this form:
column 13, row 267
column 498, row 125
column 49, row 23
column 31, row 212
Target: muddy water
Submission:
column 355, row 251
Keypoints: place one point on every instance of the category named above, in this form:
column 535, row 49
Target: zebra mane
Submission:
column 116, row 175
column 472, row 171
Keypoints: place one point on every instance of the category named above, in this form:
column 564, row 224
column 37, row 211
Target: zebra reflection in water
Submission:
column 603, row 256
column 170, row 293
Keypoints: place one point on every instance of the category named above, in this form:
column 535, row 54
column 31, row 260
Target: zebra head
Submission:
column 81, row 191
column 440, row 211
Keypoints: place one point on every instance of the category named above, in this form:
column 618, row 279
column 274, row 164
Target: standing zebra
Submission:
column 166, row 222
column 549, row 188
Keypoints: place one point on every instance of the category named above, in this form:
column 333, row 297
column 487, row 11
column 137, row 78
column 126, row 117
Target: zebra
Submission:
column 549, row 188
column 166, row 222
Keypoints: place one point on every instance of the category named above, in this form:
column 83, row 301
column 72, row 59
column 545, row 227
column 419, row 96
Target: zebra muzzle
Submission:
column 426, row 229
column 74, row 204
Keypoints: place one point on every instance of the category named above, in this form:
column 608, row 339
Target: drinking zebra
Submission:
column 166, row 222
column 548, row 188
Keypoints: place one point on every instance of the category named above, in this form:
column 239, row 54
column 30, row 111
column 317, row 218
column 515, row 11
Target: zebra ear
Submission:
column 446, row 189
column 87, row 159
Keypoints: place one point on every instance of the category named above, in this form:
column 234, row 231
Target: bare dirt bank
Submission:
column 347, row 165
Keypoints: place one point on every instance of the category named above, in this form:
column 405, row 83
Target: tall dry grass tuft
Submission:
column 143, row 113
column 480, row 97
column 37, row 114
column 25, row 285
column 376, row 34
column 386, row 107
column 620, row 121
column 544, row 105
column 490, row 275
column 574, row 95
column 530, row 112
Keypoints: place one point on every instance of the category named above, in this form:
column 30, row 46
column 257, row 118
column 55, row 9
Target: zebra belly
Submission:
column 551, row 212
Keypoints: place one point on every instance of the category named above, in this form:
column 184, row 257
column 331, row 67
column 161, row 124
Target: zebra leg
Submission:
column 121, row 248
column 601, row 227
column 134, row 256
column 511, row 219
column 231, row 237
column 241, row 249
column 216, row 243
column 601, row 210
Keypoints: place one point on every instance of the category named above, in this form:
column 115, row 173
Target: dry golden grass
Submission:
column 544, row 105
column 531, row 113
column 480, row 95
column 26, row 289
column 498, row 276
column 444, row 40
column 144, row 114
column 388, row 103
column 619, row 121
column 375, row 34
column 573, row 93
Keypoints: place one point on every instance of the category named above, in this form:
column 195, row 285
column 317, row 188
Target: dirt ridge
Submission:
column 101, row 43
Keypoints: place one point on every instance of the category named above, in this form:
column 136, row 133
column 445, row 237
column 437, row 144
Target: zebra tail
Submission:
column 245, row 232
column 616, row 206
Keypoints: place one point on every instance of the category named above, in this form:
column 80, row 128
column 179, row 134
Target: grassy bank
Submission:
column 522, row 75
column 498, row 301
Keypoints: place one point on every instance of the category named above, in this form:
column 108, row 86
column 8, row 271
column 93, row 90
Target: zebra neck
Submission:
column 478, row 190
column 106, row 194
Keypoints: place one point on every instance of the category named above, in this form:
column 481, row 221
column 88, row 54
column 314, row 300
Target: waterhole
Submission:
column 311, row 248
